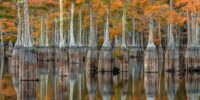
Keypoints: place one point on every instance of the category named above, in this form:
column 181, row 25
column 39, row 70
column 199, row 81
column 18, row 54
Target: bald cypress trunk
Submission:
column 1, row 44
column 92, row 41
column 133, row 35
column 41, row 41
column 47, row 31
column 62, row 41
column 106, row 36
column 19, row 27
column 170, row 34
column 150, row 42
column 28, row 42
column 72, row 42
column 188, row 29
column 80, row 29
column 124, row 26
column 160, row 36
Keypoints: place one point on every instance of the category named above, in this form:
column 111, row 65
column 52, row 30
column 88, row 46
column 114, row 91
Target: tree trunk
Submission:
column 133, row 36
column 26, row 24
column 41, row 43
column 62, row 41
column 72, row 42
column 124, row 26
column 150, row 42
column 188, row 29
column 106, row 36
column 170, row 36
column 160, row 37
column 1, row 44
column 19, row 27
column 92, row 41
column 80, row 29
column 47, row 31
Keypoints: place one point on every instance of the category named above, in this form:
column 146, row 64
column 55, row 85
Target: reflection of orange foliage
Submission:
column 7, row 89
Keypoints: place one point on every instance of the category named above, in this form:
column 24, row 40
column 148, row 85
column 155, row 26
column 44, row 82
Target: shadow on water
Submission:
column 90, row 74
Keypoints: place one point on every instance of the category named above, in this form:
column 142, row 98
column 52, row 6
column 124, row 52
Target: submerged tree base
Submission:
column 151, row 60
column 172, row 60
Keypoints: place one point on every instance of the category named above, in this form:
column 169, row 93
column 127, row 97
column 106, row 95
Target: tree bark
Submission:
column 19, row 27
column 27, row 27
column 62, row 41
column 106, row 37
column 92, row 41
column 72, row 42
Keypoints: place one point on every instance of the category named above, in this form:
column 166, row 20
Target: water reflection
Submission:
column 106, row 85
column 61, row 74
column 91, row 80
column 151, row 84
column 192, row 59
column 171, row 84
column 192, row 86
column 105, row 60
column 172, row 60
column 28, row 75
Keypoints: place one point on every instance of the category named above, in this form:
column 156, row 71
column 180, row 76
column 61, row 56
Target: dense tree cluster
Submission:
column 127, row 18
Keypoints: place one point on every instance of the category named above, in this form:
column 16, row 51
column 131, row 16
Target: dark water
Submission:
column 91, row 74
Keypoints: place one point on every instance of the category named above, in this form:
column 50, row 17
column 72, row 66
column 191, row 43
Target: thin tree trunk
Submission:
column 47, row 31
column 188, row 29
column 19, row 27
column 133, row 35
column 80, row 28
column 150, row 42
column 62, row 41
column 106, row 37
column 26, row 23
column 171, row 37
column 72, row 42
column 54, row 37
column 124, row 26
column 160, row 37
column 41, row 43
column 92, row 41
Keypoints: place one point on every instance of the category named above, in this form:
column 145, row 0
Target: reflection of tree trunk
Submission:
column 28, row 75
column 106, row 85
column 192, row 86
column 171, row 84
column 124, row 87
column 151, row 81
column 91, row 80
column 105, row 63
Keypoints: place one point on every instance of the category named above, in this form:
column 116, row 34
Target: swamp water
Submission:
column 85, row 74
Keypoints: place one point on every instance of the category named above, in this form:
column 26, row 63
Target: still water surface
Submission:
column 85, row 74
